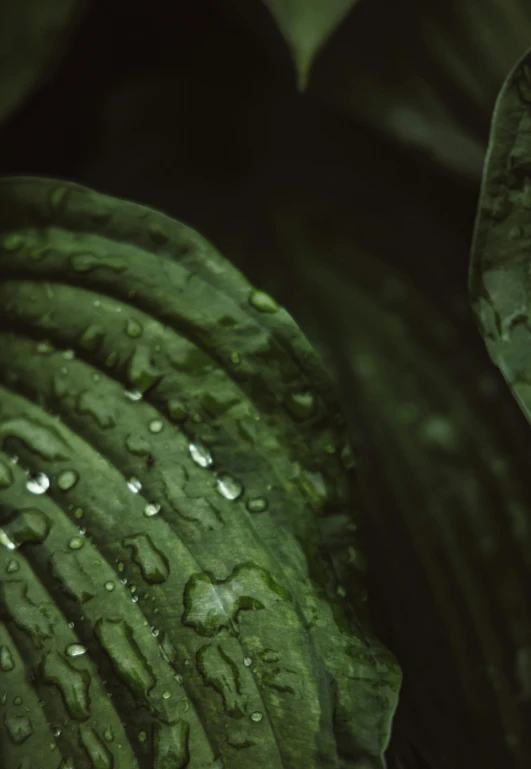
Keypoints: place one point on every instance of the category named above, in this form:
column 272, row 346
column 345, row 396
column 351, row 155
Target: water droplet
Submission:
column 38, row 484
column 228, row 487
column 257, row 505
column 46, row 441
column 262, row 302
column 6, row 541
column 133, row 395
column 137, row 444
column 256, row 716
column 134, row 485
column 166, row 695
column 200, row 453
column 235, row 358
column 157, row 233
column 67, row 479
column 76, row 543
column 153, row 563
column 133, row 329
column 301, row 406
column 151, row 509
column 19, row 727
column 111, row 359
column 177, row 410
column 142, row 736
column 155, row 426
column 92, row 337
column 75, row 650
column 7, row 662
column 12, row 566
column 247, row 661
column 141, row 372
column 109, row 586
column 118, row 640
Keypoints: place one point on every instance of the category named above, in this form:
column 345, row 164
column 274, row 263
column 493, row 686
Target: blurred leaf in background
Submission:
column 306, row 26
column 33, row 36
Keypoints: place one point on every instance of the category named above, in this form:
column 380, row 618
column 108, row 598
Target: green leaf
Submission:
column 499, row 280
column 32, row 39
column 171, row 452
column 306, row 26
column 444, row 496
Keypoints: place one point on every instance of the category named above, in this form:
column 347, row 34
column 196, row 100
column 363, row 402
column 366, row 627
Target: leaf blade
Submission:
column 141, row 312
column 306, row 26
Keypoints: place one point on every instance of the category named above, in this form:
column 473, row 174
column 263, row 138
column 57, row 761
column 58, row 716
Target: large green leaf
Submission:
column 446, row 502
column 172, row 451
column 306, row 26
column 32, row 37
column 500, row 279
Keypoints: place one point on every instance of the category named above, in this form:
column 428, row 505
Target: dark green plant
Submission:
column 211, row 534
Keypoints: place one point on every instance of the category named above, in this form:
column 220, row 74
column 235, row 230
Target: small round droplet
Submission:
column 257, row 505
column 75, row 650
column 142, row 736
column 166, row 695
column 134, row 485
column 133, row 329
column 200, row 453
column 228, row 487
column 235, row 358
column 247, row 661
column 67, row 479
column 155, row 426
column 262, row 302
column 38, row 484
column 151, row 509
column 256, row 716
column 109, row 586
column 69, row 354
column 76, row 543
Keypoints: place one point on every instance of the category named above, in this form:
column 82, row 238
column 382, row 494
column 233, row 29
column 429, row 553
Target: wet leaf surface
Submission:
column 172, row 451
